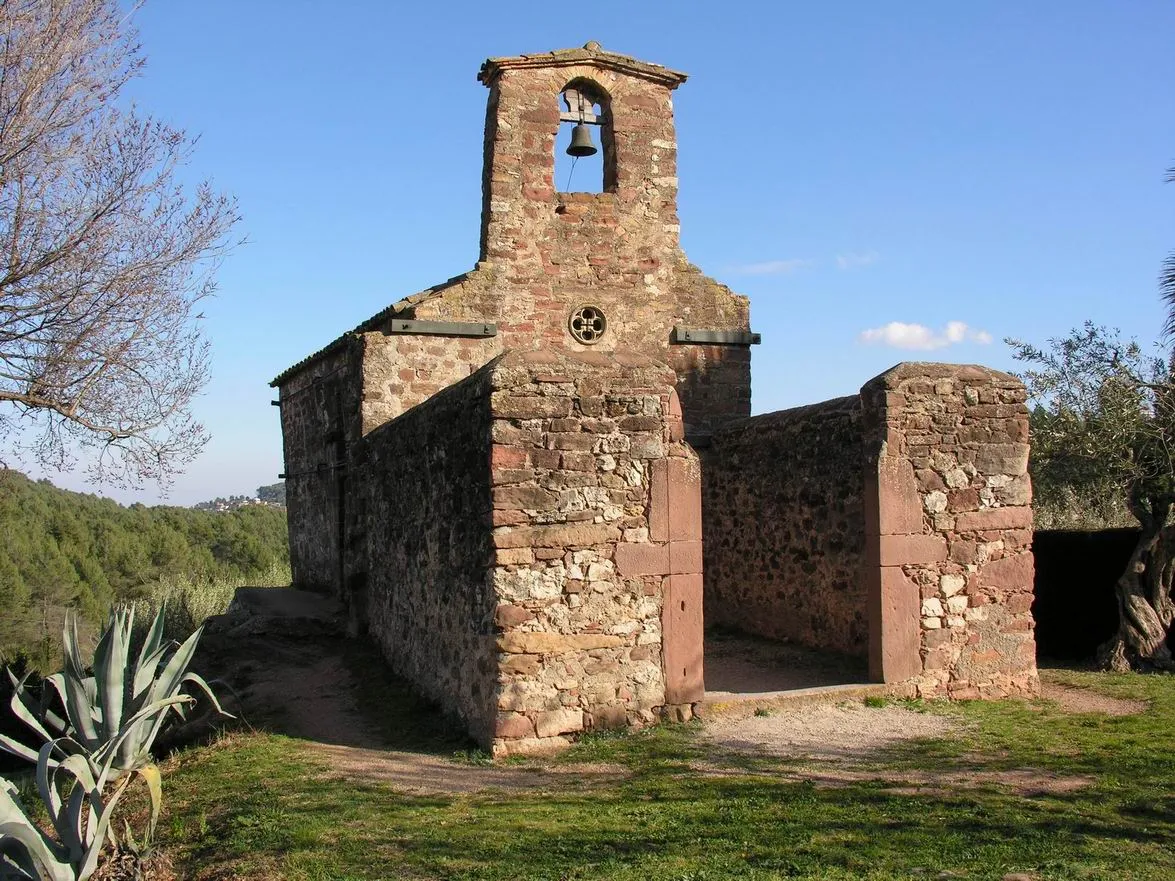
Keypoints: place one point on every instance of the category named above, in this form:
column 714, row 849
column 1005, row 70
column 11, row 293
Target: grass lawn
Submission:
column 259, row 806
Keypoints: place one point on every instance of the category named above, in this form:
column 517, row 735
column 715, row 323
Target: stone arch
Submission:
column 597, row 113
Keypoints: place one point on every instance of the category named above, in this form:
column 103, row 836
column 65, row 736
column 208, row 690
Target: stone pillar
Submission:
column 596, row 526
column 949, row 530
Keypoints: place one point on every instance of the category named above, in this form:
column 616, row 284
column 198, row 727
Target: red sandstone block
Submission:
column 963, row 500
column 633, row 559
column 1019, row 517
column 507, row 616
column 522, row 498
column 685, row 557
column 685, row 500
column 902, row 550
column 1019, row 603
column 545, row 458
column 898, row 501
column 1009, row 573
column 512, row 725
column 507, row 457
column 659, row 500
column 894, row 629
column 509, row 518
column 681, row 628
column 572, row 461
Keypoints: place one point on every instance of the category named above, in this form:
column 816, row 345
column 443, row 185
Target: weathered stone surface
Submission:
column 642, row 559
column 570, row 535
column 514, row 725
column 555, row 722
column 784, row 526
column 508, row 616
column 995, row 518
column 901, row 550
column 518, row 642
column 1008, row 573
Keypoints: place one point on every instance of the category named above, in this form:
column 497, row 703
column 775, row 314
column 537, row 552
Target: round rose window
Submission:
column 587, row 324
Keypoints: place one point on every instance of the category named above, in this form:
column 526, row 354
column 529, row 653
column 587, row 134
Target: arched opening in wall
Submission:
column 585, row 119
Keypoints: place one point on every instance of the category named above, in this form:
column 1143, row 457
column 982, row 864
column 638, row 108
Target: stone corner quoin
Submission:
column 950, row 531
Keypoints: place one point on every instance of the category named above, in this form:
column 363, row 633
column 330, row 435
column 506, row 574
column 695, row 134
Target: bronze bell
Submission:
column 581, row 142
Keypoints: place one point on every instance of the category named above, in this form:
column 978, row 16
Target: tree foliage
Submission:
column 103, row 257
column 71, row 551
column 1104, row 428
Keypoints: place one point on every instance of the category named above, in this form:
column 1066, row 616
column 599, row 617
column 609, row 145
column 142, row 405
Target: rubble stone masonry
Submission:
column 785, row 538
column 949, row 531
column 419, row 580
column 895, row 524
column 525, row 528
column 597, row 536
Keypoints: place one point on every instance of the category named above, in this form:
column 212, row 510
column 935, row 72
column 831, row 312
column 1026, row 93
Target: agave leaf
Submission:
column 105, row 755
column 17, row 749
column 22, row 708
column 73, row 820
column 38, row 853
column 78, row 707
column 151, row 776
column 57, row 683
column 69, row 642
column 110, row 660
column 105, row 814
column 169, row 681
column 149, row 655
column 15, row 863
column 25, row 844
column 198, row 680
column 50, row 796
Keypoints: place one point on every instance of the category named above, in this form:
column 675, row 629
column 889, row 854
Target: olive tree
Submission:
column 104, row 258
column 1104, row 427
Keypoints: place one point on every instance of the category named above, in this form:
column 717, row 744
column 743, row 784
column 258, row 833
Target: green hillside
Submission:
column 62, row 550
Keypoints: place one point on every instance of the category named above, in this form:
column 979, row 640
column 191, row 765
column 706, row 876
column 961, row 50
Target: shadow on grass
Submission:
column 260, row 807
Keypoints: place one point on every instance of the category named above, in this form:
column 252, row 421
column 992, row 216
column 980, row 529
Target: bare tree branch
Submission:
column 103, row 257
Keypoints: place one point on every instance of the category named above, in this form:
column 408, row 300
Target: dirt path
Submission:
column 285, row 655
column 292, row 669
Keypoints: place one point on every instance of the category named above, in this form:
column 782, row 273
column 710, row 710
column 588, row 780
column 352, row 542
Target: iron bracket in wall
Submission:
column 716, row 337
column 444, row 328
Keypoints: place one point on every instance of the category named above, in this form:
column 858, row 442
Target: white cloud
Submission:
column 900, row 335
column 853, row 260
column 772, row 267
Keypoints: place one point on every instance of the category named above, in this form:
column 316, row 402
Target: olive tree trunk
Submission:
column 1145, row 607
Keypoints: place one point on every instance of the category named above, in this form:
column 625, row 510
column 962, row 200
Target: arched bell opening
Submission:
column 585, row 154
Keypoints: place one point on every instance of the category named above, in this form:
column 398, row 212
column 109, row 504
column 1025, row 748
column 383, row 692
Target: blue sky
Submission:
column 847, row 165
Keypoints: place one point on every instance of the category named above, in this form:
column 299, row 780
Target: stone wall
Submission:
column 597, row 537
column 785, row 529
column 949, row 533
column 319, row 410
column 424, row 546
column 899, row 520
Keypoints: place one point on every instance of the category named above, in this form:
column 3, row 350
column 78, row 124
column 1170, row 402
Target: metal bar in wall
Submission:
column 716, row 337
column 444, row 328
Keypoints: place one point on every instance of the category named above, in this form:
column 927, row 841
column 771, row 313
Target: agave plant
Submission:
column 80, row 814
column 112, row 717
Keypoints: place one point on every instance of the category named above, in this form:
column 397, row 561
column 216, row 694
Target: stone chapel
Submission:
column 514, row 481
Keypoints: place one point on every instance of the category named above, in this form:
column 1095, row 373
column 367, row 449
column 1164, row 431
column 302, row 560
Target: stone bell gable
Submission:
column 548, row 260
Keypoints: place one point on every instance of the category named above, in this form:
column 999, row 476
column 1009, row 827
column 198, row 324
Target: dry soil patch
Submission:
column 843, row 731
column 1083, row 700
